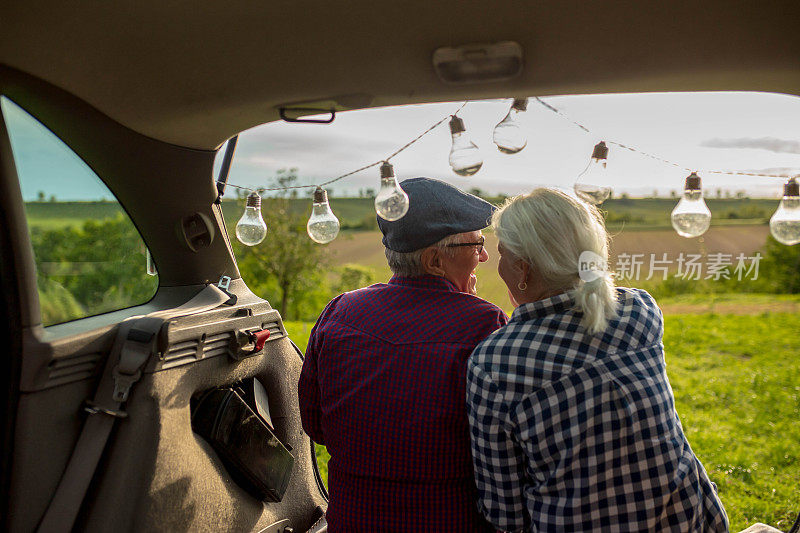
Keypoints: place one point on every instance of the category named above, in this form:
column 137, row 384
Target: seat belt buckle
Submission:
column 134, row 354
column 123, row 383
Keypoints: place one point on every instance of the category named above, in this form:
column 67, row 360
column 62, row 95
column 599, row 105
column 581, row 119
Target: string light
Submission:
column 465, row 160
column 251, row 228
column 508, row 135
column 691, row 217
column 391, row 203
column 323, row 226
column 465, row 157
column 589, row 185
column 785, row 223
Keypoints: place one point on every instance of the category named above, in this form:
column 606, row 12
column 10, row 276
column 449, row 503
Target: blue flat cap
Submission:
column 436, row 210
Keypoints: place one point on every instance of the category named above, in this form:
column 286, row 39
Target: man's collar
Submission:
column 426, row 281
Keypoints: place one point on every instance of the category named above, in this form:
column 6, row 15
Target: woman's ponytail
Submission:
column 597, row 300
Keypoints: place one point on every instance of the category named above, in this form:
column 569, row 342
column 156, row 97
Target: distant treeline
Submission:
column 359, row 214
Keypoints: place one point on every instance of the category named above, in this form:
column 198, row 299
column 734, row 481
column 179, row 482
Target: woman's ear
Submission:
column 431, row 261
column 524, row 269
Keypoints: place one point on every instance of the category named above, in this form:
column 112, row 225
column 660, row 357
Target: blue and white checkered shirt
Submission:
column 578, row 432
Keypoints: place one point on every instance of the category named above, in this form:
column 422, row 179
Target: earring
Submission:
column 522, row 285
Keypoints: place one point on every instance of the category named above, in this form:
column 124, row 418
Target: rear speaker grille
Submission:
column 193, row 350
column 73, row 368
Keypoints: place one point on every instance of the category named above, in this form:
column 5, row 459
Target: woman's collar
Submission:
column 541, row 308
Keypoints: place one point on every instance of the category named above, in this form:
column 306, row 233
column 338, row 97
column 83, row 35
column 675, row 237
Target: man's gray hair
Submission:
column 410, row 263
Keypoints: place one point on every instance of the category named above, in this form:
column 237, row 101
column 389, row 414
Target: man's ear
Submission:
column 431, row 261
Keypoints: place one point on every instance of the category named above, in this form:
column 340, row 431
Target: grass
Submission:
column 54, row 215
column 737, row 392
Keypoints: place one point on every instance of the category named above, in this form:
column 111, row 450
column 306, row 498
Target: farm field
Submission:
column 621, row 213
column 736, row 391
column 365, row 248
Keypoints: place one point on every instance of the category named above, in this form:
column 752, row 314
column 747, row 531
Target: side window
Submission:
column 90, row 259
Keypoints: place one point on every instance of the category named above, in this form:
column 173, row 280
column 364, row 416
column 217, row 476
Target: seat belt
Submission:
column 135, row 342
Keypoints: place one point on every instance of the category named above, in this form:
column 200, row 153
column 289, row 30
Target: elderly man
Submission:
column 383, row 382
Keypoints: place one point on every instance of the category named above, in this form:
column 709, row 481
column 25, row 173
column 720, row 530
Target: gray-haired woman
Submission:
column 572, row 415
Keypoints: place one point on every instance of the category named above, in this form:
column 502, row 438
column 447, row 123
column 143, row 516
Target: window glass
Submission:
column 90, row 259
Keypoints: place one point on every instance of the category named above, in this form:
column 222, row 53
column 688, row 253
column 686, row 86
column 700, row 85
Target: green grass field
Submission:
column 55, row 215
column 737, row 391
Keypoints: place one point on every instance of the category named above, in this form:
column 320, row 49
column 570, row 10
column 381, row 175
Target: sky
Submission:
column 750, row 132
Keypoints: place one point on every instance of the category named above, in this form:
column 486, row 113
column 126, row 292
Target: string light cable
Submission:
column 691, row 217
column 360, row 169
column 391, row 202
column 655, row 157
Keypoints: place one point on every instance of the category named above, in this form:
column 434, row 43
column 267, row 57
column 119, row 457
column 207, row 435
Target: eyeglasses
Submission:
column 479, row 244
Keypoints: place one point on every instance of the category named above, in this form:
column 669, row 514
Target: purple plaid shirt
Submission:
column 383, row 387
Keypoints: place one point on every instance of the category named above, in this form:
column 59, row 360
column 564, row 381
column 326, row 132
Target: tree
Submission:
column 780, row 268
column 476, row 191
column 353, row 276
column 287, row 266
column 94, row 268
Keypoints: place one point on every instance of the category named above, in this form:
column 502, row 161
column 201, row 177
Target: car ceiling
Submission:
column 195, row 73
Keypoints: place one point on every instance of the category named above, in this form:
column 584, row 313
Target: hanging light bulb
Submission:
column 508, row 135
column 785, row 223
column 323, row 226
column 251, row 229
column 465, row 157
column 691, row 217
column 590, row 185
column 392, row 201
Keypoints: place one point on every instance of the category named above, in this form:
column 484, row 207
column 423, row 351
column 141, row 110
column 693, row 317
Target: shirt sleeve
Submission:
column 498, row 459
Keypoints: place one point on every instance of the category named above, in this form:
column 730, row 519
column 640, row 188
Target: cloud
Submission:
column 774, row 171
column 764, row 143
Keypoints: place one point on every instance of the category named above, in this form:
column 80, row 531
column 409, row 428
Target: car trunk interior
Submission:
column 146, row 94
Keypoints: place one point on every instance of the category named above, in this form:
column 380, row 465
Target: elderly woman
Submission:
column 572, row 416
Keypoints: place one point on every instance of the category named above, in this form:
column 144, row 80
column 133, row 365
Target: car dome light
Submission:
column 476, row 63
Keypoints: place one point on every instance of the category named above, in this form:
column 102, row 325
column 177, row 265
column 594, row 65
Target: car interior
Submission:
column 123, row 419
